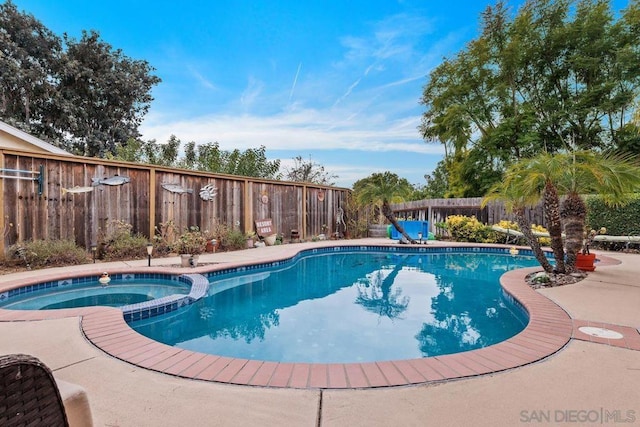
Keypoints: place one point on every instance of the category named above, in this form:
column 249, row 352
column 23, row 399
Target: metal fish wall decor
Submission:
column 176, row 188
column 75, row 190
column 114, row 180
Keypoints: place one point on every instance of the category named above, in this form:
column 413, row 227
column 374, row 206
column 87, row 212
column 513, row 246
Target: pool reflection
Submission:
column 350, row 307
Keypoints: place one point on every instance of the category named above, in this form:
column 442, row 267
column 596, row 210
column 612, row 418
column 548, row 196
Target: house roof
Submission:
column 13, row 138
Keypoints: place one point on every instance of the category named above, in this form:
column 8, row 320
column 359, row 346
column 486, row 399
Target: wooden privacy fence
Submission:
column 62, row 203
column 437, row 210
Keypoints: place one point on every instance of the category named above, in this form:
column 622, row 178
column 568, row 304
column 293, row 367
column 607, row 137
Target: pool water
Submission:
column 115, row 294
column 351, row 307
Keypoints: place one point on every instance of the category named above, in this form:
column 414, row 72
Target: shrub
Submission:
column 442, row 230
column 233, row 240
column 164, row 238
column 511, row 225
column 49, row 253
column 468, row 229
column 218, row 231
column 502, row 237
column 544, row 241
column 356, row 218
column 119, row 243
column 191, row 241
column 357, row 227
column 620, row 221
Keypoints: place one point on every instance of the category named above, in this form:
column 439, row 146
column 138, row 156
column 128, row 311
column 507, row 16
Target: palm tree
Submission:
column 376, row 296
column 530, row 181
column 382, row 189
column 613, row 176
column 515, row 201
column 571, row 174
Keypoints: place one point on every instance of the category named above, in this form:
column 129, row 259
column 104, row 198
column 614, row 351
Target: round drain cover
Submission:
column 600, row 332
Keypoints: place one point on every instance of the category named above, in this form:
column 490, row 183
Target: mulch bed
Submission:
column 554, row 279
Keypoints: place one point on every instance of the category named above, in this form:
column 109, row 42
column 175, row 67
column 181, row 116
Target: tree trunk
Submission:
column 525, row 228
column 388, row 213
column 574, row 212
column 554, row 224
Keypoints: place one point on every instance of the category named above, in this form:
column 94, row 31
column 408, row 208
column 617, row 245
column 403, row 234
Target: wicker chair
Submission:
column 29, row 394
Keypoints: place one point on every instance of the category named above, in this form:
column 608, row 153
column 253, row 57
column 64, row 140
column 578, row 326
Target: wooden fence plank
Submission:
column 437, row 210
column 145, row 204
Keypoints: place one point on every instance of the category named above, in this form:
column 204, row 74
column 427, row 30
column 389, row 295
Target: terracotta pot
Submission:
column 212, row 246
column 585, row 262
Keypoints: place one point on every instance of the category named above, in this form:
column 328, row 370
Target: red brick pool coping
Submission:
column 550, row 328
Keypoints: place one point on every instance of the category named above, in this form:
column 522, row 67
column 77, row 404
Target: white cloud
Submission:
column 347, row 175
column 295, row 130
column 397, row 37
column 366, row 101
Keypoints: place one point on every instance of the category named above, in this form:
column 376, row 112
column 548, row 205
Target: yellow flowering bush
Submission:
column 502, row 238
column 468, row 229
column 544, row 241
column 508, row 224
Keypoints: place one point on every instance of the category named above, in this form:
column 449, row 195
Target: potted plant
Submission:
column 212, row 241
column 251, row 236
column 190, row 244
column 212, row 245
column 585, row 260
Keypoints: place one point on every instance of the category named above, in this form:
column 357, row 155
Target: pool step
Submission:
column 158, row 306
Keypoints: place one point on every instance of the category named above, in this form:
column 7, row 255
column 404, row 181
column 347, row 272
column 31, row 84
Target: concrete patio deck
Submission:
column 590, row 381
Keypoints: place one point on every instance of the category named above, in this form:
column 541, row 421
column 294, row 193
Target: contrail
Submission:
column 348, row 92
column 295, row 80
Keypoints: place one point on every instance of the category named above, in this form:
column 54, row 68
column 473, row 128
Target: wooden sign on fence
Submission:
column 264, row 227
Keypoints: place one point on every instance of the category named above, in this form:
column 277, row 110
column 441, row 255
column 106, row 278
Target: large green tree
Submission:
column 206, row 157
column 308, row 171
column 29, row 58
column 436, row 186
column 81, row 95
column 103, row 95
column 557, row 74
column 138, row 151
column 250, row 162
column 380, row 190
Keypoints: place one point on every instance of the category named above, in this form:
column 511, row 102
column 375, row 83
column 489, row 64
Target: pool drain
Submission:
column 600, row 332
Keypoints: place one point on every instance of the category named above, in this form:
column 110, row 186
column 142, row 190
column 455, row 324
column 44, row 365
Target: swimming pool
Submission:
column 350, row 306
column 122, row 290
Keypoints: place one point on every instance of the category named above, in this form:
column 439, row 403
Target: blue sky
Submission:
column 337, row 82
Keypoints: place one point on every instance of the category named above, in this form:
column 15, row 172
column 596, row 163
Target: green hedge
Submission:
column 621, row 221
